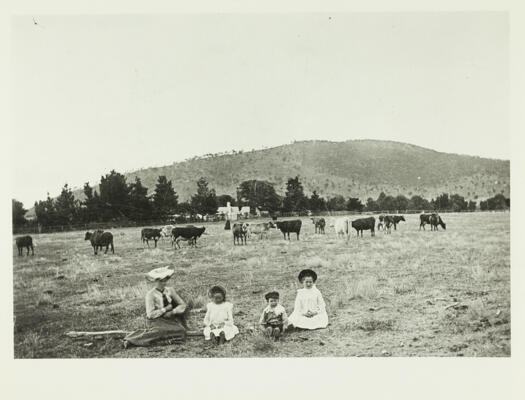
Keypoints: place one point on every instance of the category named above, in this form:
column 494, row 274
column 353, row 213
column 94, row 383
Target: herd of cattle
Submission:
column 243, row 230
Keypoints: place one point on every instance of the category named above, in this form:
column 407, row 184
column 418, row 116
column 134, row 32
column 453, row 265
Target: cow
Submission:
column 239, row 230
column 100, row 239
column 147, row 234
column 319, row 223
column 364, row 224
column 342, row 227
column 166, row 231
column 388, row 221
column 424, row 219
column 397, row 219
column 261, row 229
column 188, row 233
column 380, row 224
column 286, row 227
column 24, row 241
column 436, row 220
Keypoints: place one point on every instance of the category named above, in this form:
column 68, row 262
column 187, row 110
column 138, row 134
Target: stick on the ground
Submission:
column 75, row 334
column 451, row 305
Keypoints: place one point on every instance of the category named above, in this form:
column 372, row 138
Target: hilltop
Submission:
column 357, row 168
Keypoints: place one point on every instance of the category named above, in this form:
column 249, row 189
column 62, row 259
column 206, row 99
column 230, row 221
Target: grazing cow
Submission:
column 286, row 227
column 27, row 242
column 188, row 233
column 342, row 227
column 364, row 224
column 147, row 234
column 319, row 223
column 388, row 221
column 100, row 239
column 436, row 220
column 261, row 229
column 239, row 230
column 424, row 219
column 380, row 223
column 397, row 219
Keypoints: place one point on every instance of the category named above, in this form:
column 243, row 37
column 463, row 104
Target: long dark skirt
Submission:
column 158, row 330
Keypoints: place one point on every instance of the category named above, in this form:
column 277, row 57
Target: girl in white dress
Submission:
column 218, row 322
column 310, row 309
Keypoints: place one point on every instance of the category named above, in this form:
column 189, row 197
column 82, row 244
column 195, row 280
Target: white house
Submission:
column 229, row 212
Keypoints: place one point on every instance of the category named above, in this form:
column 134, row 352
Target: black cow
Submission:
column 100, row 239
column 286, row 227
column 364, row 224
column 436, row 220
column 25, row 241
column 397, row 219
column 319, row 223
column 189, row 233
column 240, row 231
column 147, row 234
column 424, row 219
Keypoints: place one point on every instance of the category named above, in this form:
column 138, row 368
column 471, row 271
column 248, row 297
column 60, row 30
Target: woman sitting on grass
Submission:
column 218, row 322
column 310, row 309
column 165, row 312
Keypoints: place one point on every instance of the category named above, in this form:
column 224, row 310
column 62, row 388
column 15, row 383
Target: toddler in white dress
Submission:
column 218, row 321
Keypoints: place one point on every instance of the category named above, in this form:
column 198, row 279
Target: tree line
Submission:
column 117, row 200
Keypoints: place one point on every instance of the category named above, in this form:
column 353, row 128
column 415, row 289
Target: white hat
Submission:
column 158, row 274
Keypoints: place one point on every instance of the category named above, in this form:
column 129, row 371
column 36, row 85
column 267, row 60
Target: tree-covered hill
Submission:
column 357, row 168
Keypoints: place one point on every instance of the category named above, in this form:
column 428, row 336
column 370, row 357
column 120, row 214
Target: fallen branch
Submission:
column 451, row 305
column 116, row 333
column 74, row 334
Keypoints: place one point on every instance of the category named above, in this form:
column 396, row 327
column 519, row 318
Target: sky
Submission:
column 95, row 93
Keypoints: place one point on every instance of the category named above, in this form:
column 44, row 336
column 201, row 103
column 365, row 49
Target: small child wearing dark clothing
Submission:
column 273, row 318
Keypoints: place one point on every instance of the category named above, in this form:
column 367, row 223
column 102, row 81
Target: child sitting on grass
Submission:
column 273, row 318
column 218, row 322
column 310, row 309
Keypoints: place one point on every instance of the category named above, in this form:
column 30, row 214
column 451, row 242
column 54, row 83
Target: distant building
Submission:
column 228, row 212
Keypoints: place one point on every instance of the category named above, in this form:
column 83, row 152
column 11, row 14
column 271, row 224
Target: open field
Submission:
column 385, row 295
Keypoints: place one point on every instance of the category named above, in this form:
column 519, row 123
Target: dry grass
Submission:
column 380, row 291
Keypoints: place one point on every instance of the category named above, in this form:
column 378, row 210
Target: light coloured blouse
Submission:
column 154, row 303
column 218, row 314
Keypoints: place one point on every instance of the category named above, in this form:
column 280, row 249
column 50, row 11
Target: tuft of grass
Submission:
column 96, row 295
column 343, row 261
column 480, row 274
column 262, row 344
column 362, row 289
column 196, row 302
column 403, row 288
column 43, row 299
column 370, row 325
column 314, row 262
column 30, row 344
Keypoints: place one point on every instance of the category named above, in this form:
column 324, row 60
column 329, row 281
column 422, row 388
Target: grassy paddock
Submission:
column 386, row 295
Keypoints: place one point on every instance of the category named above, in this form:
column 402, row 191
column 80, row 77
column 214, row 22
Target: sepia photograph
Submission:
column 271, row 185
